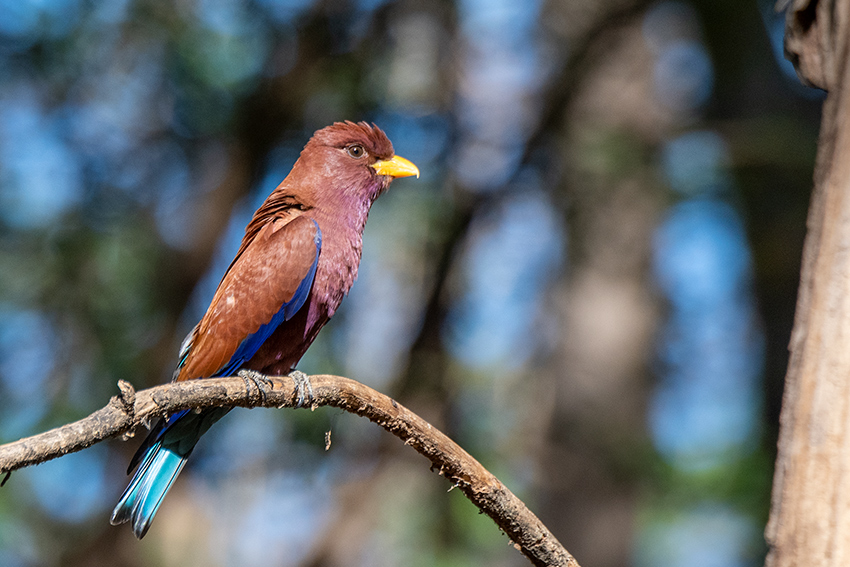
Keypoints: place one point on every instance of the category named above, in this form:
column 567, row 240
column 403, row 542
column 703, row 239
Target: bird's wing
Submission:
column 265, row 286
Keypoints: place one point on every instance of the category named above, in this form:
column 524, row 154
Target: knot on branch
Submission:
column 127, row 397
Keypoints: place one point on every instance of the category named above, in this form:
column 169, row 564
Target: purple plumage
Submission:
column 298, row 259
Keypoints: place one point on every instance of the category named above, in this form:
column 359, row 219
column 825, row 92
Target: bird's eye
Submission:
column 356, row 151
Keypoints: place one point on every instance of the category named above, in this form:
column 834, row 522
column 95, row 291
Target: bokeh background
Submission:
column 591, row 287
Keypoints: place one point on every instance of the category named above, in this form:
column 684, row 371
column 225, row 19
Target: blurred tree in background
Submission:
column 591, row 288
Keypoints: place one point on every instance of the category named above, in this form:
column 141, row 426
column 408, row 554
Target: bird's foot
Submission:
column 260, row 381
column 303, row 388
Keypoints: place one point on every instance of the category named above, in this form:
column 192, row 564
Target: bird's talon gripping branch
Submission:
column 260, row 381
column 304, row 389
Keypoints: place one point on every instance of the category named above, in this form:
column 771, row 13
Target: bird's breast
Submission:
column 336, row 271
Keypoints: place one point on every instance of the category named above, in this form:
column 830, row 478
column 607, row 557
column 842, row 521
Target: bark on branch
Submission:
column 125, row 412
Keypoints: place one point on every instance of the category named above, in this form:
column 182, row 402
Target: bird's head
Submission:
column 352, row 160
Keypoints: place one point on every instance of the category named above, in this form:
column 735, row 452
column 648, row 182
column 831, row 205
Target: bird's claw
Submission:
column 260, row 381
column 303, row 388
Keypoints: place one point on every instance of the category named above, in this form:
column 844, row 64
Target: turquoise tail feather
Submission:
column 162, row 457
column 144, row 494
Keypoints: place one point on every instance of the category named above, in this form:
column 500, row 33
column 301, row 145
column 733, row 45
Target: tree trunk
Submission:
column 810, row 516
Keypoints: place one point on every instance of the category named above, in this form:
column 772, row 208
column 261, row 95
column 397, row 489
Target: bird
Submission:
column 298, row 258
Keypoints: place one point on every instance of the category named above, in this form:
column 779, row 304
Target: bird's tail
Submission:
column 144, row 494
column 162, row 457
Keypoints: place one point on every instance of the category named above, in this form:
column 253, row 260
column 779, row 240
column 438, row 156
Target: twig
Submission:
column 125, row 412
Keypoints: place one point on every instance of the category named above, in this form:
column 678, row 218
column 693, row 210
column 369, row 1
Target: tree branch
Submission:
column 125, row 412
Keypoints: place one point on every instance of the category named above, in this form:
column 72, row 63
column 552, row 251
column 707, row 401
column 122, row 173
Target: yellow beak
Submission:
column 396, row 167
